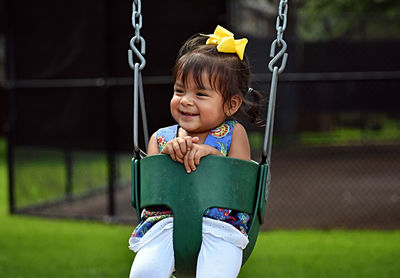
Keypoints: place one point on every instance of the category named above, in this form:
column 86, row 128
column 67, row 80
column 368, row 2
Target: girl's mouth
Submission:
column 188, row 114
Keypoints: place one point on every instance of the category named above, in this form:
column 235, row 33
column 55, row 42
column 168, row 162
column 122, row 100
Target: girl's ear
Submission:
column 235, row 103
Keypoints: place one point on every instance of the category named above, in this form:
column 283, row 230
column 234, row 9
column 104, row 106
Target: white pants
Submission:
column 220, row 254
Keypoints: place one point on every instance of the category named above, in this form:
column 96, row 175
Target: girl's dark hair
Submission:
column 227, row 73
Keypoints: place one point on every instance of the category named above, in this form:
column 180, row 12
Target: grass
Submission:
column 32, row 247
column 349, row 136
column 335, row 253
column 378, row 129
column 42, row 173
column 41, row 176
column 35, row 247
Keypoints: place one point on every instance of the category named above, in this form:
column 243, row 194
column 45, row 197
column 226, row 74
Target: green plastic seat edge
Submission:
column 185, row 266
column 135, row 186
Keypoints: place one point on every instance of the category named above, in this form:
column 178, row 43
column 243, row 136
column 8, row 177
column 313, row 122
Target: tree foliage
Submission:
column 349, row 19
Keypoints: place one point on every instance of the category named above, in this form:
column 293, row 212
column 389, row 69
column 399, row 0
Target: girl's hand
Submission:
column 178, row 147
column 192, row 157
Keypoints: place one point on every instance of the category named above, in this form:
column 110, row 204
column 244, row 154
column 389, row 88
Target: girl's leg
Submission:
column 218, row 258
column 155, row 259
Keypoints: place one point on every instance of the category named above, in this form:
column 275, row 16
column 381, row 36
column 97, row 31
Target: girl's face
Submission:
column 197, row 110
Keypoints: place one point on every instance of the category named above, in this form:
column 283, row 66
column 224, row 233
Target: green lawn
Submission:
column 378, row 129
column 35, row 247
column 32, row 247
column 42, row 174
column 334, row 253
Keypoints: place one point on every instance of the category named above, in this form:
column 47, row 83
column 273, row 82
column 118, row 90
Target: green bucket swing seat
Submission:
column 236, row 184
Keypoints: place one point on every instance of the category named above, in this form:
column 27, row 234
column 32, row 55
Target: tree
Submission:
column 348, row 19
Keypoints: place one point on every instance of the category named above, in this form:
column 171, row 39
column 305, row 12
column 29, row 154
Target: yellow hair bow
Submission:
column 226, row 43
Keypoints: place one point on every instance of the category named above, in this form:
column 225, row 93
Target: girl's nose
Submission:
column 186, row 100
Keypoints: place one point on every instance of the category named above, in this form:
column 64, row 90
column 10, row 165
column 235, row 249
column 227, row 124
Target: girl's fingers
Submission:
column 184, row 150
column 191, row 157
column 176, row 148
column 188, row 162
column 189, row 143
column 182, row 145
column 196, row 159
column 195, row 139
column 172, row 155
column 168, row 150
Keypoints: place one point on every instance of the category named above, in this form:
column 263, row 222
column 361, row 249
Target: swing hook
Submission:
column 139, row 54
column 279, row 55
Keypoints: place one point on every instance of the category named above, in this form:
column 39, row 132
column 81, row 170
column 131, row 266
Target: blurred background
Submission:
column 66, row 104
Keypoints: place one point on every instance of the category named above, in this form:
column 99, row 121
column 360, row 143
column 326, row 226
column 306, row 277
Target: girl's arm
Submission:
column 240, row 147
column 152, row 148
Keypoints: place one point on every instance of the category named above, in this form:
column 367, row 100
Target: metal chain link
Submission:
column 281, row 23
column 281, row 20
column 137, row 23
column 137, row 14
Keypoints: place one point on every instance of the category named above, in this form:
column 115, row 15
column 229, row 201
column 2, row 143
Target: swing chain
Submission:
column 281, row 23
column 137, row 23
column 136, row 14
column 137, row 67
column 282, row 15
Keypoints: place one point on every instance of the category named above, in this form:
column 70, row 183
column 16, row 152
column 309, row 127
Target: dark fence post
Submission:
column 111, row 182
column 10, row 149
column 110, row 152
column 109, row 58
column 69, row 173
column 11, row 99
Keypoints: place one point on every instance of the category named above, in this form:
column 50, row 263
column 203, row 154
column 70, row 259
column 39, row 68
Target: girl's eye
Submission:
column 178, row 91
column 200, row 94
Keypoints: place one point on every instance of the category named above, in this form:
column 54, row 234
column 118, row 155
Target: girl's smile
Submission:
column 189, row 114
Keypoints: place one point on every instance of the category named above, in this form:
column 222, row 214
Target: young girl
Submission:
column 211, row 84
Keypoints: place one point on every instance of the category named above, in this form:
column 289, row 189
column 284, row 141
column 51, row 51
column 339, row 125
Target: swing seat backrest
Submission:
column 217, row 182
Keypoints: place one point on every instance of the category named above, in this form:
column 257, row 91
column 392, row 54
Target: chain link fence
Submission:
column 338, row 168
column 336, row 147
column 349, row 186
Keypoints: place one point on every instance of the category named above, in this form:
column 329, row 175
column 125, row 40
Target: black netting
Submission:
column 332, row 166
column 336, row 155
